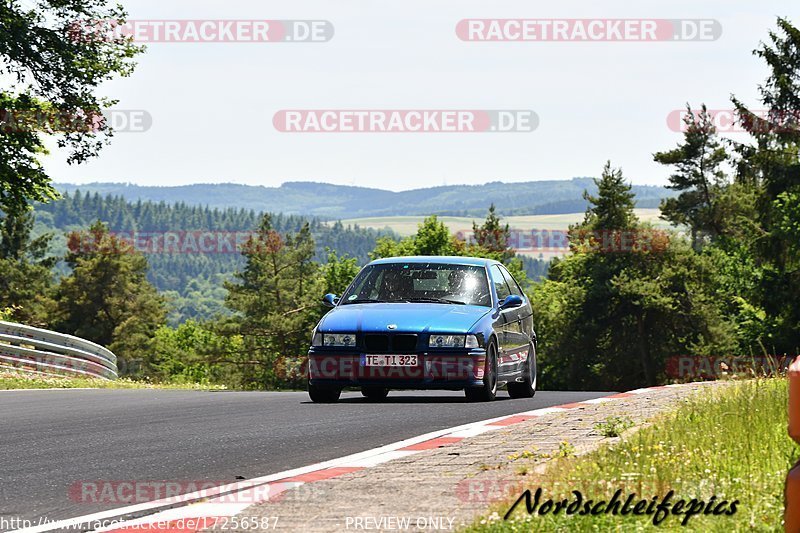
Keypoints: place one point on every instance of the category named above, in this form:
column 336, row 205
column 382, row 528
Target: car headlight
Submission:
column 453, row 341
column 335, row 339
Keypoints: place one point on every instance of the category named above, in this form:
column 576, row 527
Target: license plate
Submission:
column 388, row 360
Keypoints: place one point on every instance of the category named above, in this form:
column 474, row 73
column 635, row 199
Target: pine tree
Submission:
column 493, row 235
column 611, row 317
column 107, row 299
column 772, row 167
column 26, row 269
column 612, row 208
column 699, row 178
column 276, row 298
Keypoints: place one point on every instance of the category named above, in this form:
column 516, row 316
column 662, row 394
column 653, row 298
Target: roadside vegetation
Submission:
column 15, row 380
column 732, row 444
column 614, row 314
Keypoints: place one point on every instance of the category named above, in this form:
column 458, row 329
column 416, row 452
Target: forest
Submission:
column 609, row 315
column 192, row 282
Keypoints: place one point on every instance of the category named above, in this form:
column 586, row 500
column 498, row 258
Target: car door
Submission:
column 519, row 325
column 505, row 342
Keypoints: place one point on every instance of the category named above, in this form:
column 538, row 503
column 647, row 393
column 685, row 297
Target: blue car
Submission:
column 451, row 323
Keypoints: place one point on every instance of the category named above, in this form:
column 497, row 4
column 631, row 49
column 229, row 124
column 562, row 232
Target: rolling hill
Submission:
column 344, row 202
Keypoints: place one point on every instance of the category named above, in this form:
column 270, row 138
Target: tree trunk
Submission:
column 644, row 353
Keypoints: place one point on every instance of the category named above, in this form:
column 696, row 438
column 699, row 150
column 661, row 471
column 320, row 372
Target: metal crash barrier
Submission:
column 40, row 351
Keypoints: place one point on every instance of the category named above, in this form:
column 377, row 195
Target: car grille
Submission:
column 382, row 343
column 404, row 343
column 376, row 343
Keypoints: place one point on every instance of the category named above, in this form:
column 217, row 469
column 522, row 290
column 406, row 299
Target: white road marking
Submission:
column 368, row 457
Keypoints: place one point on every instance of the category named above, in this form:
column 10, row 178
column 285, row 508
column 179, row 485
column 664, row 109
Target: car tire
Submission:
column 488, row 391
column 375, row 393
column 323, row 394
column 527, row 387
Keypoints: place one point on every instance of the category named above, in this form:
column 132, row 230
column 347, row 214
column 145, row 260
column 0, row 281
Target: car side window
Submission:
column 499, row 281
column 512, row 283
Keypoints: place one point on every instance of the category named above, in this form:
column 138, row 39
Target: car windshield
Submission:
column 420, row 282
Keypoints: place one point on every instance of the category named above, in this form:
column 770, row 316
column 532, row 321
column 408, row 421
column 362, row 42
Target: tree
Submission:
column 338, row 272
column 771, row 166
column 434, row 238
column 26, row 269
column 698, row 176
column 187, row 354
column 107, row 299
column 492, row 235
column 276, row 300
column 612, row 208
column 53, row 56
column 492, row 241
column 611, row 317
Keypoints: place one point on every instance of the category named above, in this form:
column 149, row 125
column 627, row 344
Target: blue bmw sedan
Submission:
column 452, row 323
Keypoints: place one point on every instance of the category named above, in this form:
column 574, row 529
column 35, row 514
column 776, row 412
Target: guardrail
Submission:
column 791, row 517
column 41, row 351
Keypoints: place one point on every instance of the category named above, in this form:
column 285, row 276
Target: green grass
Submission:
column 613, row 426
column 14, row 380
column 731, row 443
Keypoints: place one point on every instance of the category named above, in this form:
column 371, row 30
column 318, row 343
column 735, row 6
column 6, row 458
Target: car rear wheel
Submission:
column 527, row 387
column 375, row 393
column 323, row 394
column 488, row 391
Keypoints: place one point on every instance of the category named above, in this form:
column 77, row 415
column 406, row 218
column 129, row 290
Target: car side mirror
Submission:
column 330, row 300
column 511, row 301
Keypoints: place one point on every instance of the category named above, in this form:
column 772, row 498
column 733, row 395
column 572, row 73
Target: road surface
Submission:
column 52, row 441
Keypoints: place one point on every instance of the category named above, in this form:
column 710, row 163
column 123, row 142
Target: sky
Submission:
column 212, row 103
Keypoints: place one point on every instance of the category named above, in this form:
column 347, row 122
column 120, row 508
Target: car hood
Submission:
column 407, row 317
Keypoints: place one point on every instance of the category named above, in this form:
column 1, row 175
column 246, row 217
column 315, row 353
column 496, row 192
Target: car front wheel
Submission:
column 527, row 387
column 323, row 394
column 488, row 391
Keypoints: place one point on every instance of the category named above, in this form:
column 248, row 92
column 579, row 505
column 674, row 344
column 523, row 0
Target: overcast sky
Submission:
column 212, row 104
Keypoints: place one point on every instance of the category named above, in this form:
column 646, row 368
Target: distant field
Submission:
column 408, row 225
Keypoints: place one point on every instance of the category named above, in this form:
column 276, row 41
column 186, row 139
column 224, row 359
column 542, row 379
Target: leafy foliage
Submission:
column 107, row 299
column 188, row 354
column 26, row 271
column 698, row 176
column 193, row 282
column 54, row 63
column 434, row 238
column 610, row 319
column 276, row 298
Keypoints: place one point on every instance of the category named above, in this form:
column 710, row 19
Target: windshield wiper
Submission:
column 364, row 301
column 436, row 300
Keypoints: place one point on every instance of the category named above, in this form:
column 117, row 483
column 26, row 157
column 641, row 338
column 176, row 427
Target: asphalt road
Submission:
column 51, row 440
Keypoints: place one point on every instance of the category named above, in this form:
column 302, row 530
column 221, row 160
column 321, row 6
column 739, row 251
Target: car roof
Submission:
column 443, row 259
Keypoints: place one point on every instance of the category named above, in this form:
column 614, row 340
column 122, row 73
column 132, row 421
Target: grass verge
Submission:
column 16, row 380
column 731, row 443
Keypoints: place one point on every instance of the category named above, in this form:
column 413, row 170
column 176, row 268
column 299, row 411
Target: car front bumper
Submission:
column 450, row 370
